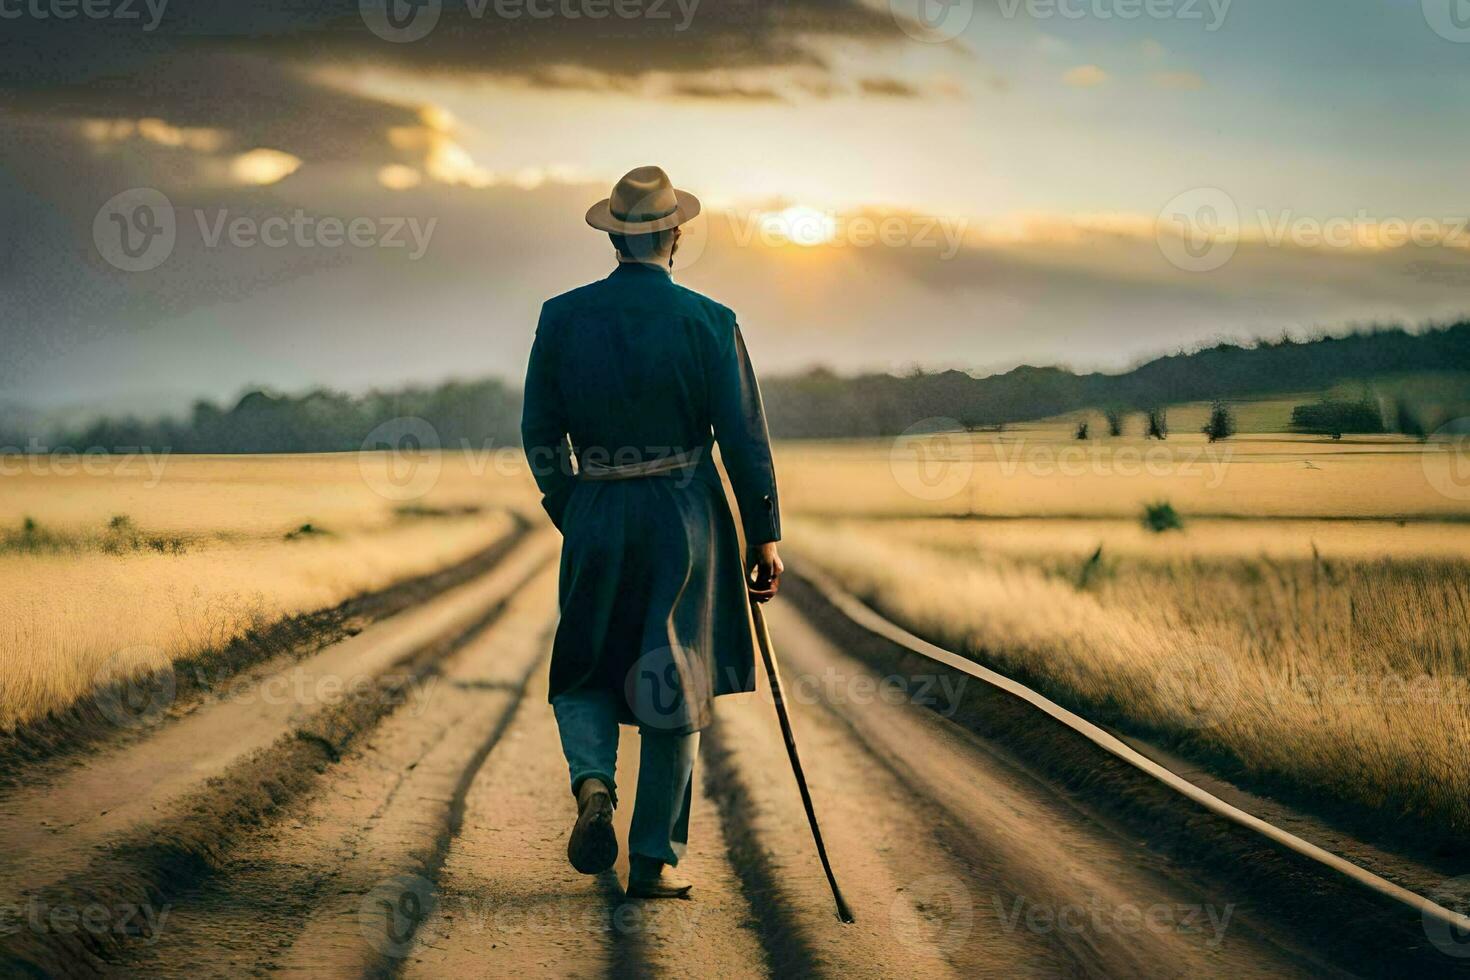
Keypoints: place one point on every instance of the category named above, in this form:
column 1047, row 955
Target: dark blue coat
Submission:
column 653, row 599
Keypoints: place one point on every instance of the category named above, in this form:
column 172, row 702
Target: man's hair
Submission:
column 643, row 247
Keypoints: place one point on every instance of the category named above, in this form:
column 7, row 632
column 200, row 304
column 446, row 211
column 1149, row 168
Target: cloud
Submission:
column 1085, row 76
column 263, row 166
column 890, row 87
column 221, row 78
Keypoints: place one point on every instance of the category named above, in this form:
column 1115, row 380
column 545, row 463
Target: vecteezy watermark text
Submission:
column 123, row 10
column 38, row 459
column 90, row 918
column 1097, row 917
column 1200, row 230
column 137, row 230
column 405, row 21
column 1211, row 13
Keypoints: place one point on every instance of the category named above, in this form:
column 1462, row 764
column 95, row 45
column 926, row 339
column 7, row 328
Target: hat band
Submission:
column 644, row 217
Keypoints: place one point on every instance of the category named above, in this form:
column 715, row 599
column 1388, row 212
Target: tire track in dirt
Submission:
column 55, row 824
column 36, row 751
column 336, row 887
column 198, row 786
column 509, row 904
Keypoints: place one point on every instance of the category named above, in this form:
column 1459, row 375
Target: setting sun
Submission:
column 800, row 225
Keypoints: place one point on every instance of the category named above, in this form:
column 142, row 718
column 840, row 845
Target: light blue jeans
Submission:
column 588, row 723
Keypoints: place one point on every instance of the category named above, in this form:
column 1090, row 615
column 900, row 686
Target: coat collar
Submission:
column 639, row 270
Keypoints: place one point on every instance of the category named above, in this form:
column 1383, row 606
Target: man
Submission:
column 637, row 378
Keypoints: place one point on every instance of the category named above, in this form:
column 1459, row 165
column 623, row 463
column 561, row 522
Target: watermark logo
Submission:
column 933, row 916
column 135, row 231
column 1450, row 938
column 400, row 21
column 932, row 21
column 393, row 910
column 654, row 689
column 1198, row 230
column 134, row 696
column 932, row 459
column 1445, row 459
column 1450, row 19
column 694, row 238
column 400, row 459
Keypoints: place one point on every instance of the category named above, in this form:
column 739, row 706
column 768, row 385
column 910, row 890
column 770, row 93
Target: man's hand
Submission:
column 763, row 571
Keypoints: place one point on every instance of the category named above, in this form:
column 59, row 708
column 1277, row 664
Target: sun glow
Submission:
column 800, row 225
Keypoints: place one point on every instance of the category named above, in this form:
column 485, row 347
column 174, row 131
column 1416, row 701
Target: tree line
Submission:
column 816, row 404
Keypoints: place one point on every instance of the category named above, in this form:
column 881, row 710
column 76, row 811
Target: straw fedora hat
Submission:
column 644, row 201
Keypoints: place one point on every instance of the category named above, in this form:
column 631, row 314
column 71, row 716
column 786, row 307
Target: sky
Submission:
column 195, row 198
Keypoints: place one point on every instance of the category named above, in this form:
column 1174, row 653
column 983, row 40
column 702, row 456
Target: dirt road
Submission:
column 435, row 846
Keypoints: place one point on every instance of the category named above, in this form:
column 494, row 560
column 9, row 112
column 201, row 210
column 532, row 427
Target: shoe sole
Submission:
column 594, row 844
column 635, row 892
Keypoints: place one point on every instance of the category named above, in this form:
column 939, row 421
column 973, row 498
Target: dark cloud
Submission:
column 493, row 39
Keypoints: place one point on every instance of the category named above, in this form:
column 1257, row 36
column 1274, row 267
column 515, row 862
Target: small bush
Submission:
column 1333, row 418
column 1090, row 568
column 1221, row 424
column 30, row 538
column 1115, row 421
column 1409, row 421
column 1161, row 517
column 1082, row 429
column 1157, row 424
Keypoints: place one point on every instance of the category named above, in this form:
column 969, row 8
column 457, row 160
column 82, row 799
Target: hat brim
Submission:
column 600, row 216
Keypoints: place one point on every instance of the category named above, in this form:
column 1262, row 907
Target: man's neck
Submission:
column 659, row 262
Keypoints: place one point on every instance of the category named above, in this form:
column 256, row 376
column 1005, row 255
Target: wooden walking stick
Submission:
column 763, row 637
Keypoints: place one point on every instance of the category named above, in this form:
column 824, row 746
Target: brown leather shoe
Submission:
column 594, row 844
column 654, row 879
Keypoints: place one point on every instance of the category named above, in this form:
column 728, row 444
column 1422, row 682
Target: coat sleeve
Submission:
column 745, row 444
column 544, row 426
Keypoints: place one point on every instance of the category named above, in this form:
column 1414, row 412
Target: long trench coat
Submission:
column 653, row 599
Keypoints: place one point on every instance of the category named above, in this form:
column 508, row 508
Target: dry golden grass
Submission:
column 1310, row 626
column 1040, row 471
column 204, row 554
column 1343, row 676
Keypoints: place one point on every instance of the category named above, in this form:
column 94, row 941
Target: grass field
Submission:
column 119, row 566
column 1308, row 625
column 1038, row 470
column 1313, row 634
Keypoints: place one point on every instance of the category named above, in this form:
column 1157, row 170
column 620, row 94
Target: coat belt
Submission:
column 663, row 466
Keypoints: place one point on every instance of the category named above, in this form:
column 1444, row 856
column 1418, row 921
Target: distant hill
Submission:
column 818, row 404
column 822, row 405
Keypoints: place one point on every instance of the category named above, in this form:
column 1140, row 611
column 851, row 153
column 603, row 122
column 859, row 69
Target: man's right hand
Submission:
column 763, row 572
